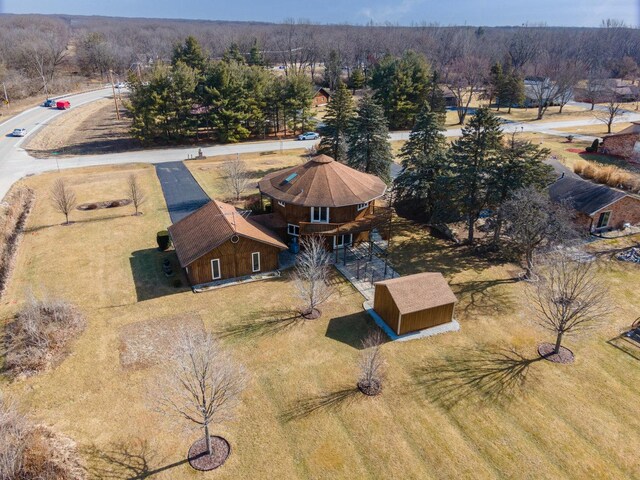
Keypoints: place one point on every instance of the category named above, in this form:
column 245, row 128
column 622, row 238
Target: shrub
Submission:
column 579, row 166
column 594, row 146
column 589, row 171
column 40, row 334
column 13, row 214
column 163, row 240
column 603, row 174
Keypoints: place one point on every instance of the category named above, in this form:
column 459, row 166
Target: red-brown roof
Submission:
column 212, row 225
column 322, row 182
column 414, row 293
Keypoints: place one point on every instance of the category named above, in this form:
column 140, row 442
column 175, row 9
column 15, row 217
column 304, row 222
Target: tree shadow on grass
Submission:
column 626, row 345
column 480, row 296
column 489, row 375
column 132, row 460
column 326, row 402
column 260, row 324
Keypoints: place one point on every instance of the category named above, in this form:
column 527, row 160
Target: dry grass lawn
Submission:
column 459, row 405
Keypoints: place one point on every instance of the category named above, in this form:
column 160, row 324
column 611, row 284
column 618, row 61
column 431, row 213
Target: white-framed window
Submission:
column 255, row 262
column 603, row 220
column 340, row 241
column 282, row 204
column 362, row 206
column 293, row 230
column 320, row 214
column 216, row 273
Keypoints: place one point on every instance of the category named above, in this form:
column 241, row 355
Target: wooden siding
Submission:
column 384, row 306
column 235, row 260
column 412, row 322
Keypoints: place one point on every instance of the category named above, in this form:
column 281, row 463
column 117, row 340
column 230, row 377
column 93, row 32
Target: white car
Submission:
column 309, row 136
column 19, row 132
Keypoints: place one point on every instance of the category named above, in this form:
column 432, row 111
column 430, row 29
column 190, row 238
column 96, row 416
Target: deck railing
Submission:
column 380, row 217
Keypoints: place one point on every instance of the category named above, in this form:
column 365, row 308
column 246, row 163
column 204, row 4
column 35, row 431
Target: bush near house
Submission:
column 607, row 174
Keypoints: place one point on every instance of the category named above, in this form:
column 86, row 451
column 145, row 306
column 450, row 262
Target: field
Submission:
column 473, row 404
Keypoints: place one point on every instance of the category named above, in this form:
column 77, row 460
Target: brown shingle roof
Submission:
column 322, row 182
column 421, row 291
column 212, row 225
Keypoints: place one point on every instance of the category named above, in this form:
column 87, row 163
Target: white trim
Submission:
column 399, row 322
column 335, row 240
column 611, row 203
column 362, row 206
column 295, row 227
column 213, row 277
column 253, row 268
column 313, row 209
column 282, row 204
column 606, row 225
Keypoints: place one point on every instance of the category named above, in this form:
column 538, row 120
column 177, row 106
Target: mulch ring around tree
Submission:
column 108, row 204
column 311, row 314
column 563, row 356
column 370, row 389
column 201, row 460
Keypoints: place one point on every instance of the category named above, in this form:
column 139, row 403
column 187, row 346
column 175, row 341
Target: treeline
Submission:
column 34, row 49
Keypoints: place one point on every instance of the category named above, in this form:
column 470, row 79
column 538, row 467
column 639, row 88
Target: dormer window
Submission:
column 362, row 206
column 320, row 214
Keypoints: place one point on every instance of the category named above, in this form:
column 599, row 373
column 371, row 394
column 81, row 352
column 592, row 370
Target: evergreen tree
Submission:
column 496, row 85
column 357, row 80
column 255, row 55
column 368, row 140
column 233, row 54
column 339, row 116
column 298, row 94
column 513, row 89
column 475, row 157
column 435, row 97
column 401, row 87
column 227, row 94
column 425, row 166
column 332, row 69
column 521, row 165
column 190, row 53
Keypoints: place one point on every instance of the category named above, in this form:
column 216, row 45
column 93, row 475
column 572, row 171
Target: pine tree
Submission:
column 435, row 97
column 368, row 140
column 233, row 54
column 298, row 92
column 475, row 156
column 255, row 55
column 332, row 69
column 496, row 83
column 357, row 80
column 227, row 94
column 513, row 89
column 425, row 165
column 339, row 115
column 190, row 53
column 521, row 165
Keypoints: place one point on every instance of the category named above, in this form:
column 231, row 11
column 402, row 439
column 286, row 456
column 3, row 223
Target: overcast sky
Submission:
column 406, row 12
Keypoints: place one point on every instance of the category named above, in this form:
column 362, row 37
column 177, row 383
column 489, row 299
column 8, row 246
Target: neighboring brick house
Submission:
column 599, row 207
column 321, row 97
column 625, row 143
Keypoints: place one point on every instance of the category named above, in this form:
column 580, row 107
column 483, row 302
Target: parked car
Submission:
column 63, row 104
column 19, row 132
column 309, row 136
column 49, row 102
column 120, row 85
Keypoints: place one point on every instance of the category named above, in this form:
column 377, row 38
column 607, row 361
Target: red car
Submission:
column 63, row 104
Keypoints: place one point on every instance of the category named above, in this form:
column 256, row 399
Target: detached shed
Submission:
column 415, row 302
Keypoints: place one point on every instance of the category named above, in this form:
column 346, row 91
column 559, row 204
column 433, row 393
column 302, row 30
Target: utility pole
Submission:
column 115, row 98
column 6, row 97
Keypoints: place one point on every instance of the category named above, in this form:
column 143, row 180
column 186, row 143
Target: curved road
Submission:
column 16, row 163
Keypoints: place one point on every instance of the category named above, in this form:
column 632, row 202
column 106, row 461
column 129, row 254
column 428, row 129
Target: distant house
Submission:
column 216, row 242
column 321, row 97
column 598, row 207
column 450, row 99
column 601, row 89
column 540, row 88
column 625, row 143
column 414, row 302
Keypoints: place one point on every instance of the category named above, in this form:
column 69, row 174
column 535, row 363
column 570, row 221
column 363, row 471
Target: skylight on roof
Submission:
column 290, row 178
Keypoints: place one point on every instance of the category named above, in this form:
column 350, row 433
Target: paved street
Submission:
column 16, row 163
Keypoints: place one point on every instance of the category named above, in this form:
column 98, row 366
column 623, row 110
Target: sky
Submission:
column 588, row 13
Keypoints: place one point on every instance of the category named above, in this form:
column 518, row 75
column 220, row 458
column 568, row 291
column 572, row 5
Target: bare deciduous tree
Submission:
column 201, row 383
column 63, row 198
column 236, row 177
column 535, row 222
column 612, row 109
column 312, row 275
column 568, row 296
column 135, row 191
column 14, row 437
column 372, row 363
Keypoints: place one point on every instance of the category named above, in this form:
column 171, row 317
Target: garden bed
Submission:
column 106, row 204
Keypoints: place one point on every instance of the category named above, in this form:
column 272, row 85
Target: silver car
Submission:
column 309, row 136
column 19, row 132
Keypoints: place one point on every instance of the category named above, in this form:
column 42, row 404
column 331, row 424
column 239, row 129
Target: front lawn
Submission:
column 473, row 404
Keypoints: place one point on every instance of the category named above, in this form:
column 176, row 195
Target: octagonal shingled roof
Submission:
column 322, row 182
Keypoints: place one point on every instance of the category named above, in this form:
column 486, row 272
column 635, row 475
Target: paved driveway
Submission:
column 181, row 191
